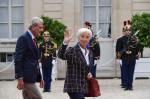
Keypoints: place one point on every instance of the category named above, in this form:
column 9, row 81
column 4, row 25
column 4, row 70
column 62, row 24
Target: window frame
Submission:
column 97, row 23
column 6, row 57
column 10, row 34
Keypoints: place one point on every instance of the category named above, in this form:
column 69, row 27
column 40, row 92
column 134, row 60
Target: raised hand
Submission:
column 68, row 36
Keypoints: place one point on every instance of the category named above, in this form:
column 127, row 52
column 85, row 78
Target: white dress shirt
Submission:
column 85, row 56
column 32, row 36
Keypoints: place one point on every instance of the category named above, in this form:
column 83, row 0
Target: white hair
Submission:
column 35, row 21
column 82, row 30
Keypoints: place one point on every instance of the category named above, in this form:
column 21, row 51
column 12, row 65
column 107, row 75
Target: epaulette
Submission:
column 97, row 41
column 137, row 38
column 118, row 37
column 55, row 45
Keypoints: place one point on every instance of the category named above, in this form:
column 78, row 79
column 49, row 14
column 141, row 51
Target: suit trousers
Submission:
column 30, row 91
column 76, row 96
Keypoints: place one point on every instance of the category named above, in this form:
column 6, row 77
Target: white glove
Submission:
column 40, row 64
column 95, row 62
column 136, row 61
column 120, row 62
column 53, row 62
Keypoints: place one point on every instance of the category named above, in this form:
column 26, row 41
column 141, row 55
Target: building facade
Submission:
column 105, row 15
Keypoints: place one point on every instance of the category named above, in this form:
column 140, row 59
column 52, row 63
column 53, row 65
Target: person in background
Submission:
column 79, row 63
column 95, row 48
column 117, row 46
column 26, row 60
column 128, row 48
column 47, row 53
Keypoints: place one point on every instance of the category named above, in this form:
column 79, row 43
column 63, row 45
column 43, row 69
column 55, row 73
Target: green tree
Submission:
column 56, row 30
column 142, row 22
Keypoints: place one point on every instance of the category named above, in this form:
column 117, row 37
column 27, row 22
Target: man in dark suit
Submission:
column 26, row 60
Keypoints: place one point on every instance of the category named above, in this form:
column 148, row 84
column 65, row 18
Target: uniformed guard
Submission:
column 47, row 53
column 95, row 48
column 118, row 57
column 128, row 53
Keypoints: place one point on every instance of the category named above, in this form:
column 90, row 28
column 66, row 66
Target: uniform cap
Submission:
column 88, row 25
column 124, row 27
column 46, row 33
column 128, row 26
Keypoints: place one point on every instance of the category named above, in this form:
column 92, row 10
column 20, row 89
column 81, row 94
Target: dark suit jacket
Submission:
column 77, row 69
column 26, row 59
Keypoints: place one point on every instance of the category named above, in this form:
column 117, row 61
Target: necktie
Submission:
column 34, row 41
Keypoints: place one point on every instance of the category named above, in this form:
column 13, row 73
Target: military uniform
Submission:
column 117, row 57
column 127, row 51
column 47, row 60
column 117, row 50
column 95, row 48
column 47, row 53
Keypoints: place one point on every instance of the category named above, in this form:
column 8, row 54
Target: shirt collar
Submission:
column 32, row 36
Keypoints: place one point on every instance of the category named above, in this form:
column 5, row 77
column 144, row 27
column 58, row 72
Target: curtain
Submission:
column 17, row 30
column 17, row 17
column 104, row 20
column 89, row 13
column 105, row 17
column 17, row 2
column 17, row 14
column 4, row 31
column 89, row 2
column 4, row 19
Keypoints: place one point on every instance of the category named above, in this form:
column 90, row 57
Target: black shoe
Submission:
column 126, row 89
column 123, row 87
column 48, row 90
column 44, row 90
column 130, row 88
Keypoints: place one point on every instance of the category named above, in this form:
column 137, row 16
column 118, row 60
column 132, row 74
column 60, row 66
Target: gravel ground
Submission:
column 110, row 89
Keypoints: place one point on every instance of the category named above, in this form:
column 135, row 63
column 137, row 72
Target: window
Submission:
column 10, row 57
column 11, row 18
column 98, row 13
column 6, row 57
column 2, row 57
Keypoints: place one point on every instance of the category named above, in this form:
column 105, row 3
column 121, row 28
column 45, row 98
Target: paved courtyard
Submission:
column 110, row 89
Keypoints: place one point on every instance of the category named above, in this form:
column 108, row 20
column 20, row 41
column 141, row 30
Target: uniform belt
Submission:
column 128, row 52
